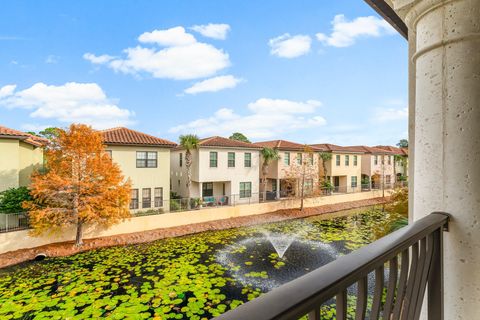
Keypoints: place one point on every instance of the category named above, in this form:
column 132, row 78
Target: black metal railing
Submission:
column 413, row 256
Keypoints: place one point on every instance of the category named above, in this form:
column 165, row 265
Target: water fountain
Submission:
column 275, row 256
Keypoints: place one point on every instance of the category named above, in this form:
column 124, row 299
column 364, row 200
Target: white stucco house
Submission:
column 224, row 171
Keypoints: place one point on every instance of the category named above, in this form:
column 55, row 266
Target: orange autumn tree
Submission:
column 81, row 185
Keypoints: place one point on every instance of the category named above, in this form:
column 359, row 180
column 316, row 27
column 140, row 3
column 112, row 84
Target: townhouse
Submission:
column 377, row 166
column 344, row 169
column 401, row 161
column 144, row 159
column 20, row 155
column 223, row 171
column 285, row 174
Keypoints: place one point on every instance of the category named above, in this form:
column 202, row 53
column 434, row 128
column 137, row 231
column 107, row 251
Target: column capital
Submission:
column 410, row 10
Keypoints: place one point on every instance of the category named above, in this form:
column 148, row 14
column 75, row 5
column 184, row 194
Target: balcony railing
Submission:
column 413, row 258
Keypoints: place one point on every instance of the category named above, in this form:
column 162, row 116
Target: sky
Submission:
column 310, row 71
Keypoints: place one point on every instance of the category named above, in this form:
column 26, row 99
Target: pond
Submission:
column 192, row 277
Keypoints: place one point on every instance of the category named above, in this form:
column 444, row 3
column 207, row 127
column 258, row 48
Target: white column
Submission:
column 445, row 136
column 278, row 187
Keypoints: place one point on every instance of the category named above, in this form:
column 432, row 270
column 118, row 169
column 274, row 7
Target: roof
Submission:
column 125, row 136
column 385, row 10
column 397, row 151
column 282, row 145
column 371, row 150
column 328, row 147
column 222, row 142
column 23, row 136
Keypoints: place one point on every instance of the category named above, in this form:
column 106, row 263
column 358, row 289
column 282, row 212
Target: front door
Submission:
column 336, row 181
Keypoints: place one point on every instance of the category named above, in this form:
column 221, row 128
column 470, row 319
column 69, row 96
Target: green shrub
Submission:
column 11, row 200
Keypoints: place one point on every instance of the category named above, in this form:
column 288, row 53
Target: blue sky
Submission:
column 322, row 71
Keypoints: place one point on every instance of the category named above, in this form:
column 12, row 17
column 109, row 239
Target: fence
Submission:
column 19, row 221
column 13, row 221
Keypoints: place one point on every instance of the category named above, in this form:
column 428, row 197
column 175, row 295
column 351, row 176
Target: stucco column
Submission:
column 278, row 187
column 445, row 135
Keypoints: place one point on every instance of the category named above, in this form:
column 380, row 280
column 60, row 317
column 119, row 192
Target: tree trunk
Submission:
column 188, row 163
column 79, row 237
column 264, row 173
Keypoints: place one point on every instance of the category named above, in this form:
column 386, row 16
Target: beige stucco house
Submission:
column 284, row 175
column 377, row 166
column 344, row 170
column 144, row 159
column 224, row 171
column 401, row 162
column 20, row 155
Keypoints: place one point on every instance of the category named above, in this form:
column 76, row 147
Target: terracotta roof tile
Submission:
column 328, row 147
column 372, row 150
column 25, row 137
column 397, row 151
column 125, row 136
column 282, row 145
column 217, row 141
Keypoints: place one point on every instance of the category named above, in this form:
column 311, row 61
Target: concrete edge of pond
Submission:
column 68, row 248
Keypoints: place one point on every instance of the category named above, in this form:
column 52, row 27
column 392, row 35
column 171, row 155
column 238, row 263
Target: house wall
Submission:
column 202, row 172
column 9, row 163
column 30, row 159
column 18, row 160
column 345, row 172
column 159, row 177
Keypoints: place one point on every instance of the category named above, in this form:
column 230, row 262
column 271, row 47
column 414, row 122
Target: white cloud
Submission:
column 345, row 32
column 214, row 84
column 72, row 102
column 390, row 114
column 51, row 59
column 182, row 58
column 7, row 90
column 213, row 30
column 169, row 38
column 104, row 58
column 267, row 118
column 287, row 46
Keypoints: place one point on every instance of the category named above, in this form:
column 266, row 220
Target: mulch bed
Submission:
column 68, row 248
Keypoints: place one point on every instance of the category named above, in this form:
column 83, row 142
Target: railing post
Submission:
column 435, row 279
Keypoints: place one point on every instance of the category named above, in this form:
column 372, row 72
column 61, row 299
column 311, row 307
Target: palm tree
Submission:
column 189, row 142
column 268, row 155
column 325, row 156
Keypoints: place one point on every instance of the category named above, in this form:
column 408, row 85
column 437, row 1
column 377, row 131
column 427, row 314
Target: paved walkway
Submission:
column 68, row 248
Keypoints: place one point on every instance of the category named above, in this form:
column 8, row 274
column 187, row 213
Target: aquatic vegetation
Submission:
column 178, row 278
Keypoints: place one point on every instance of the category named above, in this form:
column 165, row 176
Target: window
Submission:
column 354, row 181
column 146, row 198
column 134, row 199
column 109, row 152
column 207, row 189
column 245, row 189
column 355, row 160
column 387, row 179
column 158, row 197
column 231, row 159
column 286, row 158
column 389, row 160
column 337, row 159
column 146, row 159
column 310, row 160
column 213, row 159
column 308, row 186
column 347, row 160
column 375, row 160
column 299, row 158
column 248, row 160
column 180, row 159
